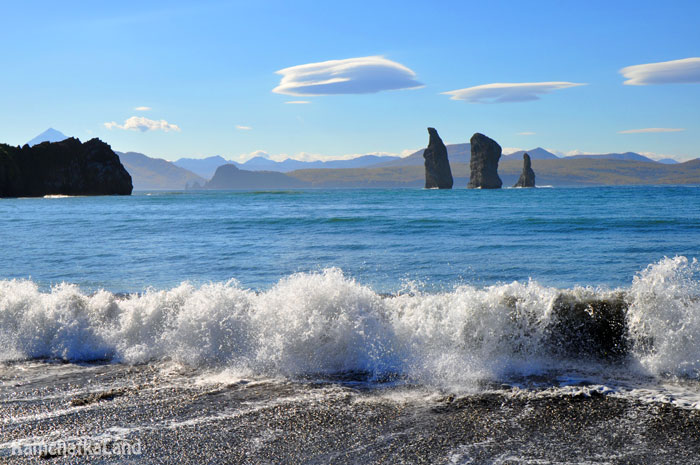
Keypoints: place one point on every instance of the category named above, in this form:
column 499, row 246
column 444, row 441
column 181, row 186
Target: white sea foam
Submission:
column 327, row 323
column 664, row 316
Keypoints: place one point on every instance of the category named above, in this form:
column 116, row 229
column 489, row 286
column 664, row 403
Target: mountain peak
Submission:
column 50, row 135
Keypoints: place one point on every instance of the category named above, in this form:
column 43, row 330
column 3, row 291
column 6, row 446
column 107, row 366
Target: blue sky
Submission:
column 206, row 71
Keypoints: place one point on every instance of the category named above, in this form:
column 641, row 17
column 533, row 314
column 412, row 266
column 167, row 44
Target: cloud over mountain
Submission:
column 364, row 75
column 665, row 72
column 500, row 92
column 139, row 123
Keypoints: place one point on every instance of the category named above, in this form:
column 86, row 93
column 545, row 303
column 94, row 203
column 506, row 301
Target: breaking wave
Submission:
column 327, row 323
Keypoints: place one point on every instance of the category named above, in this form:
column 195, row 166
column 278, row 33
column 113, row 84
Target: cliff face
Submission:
column 527, row 178
column 437, row 167
column 68, row 167
column 484, row 163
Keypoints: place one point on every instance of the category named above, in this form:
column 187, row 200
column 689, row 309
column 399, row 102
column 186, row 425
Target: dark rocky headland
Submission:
column 437, row 167
column 68, row 167
column 484, row 163
column 527, row 178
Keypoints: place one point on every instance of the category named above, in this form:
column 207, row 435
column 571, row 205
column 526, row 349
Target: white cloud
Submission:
column 139, row 123
column 297, row 102
column 502, row 92
column 650, row 130
column 244, row 157
column 569, row 153
column 305, row 156
column 526, row 133
column 665, row 72
column 142, row 109
column 556, row 152
column 364, row 75
column 509, row 150
column 243, row 128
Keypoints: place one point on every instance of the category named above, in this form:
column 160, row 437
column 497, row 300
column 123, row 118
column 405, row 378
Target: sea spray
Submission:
column 326, row 323
column 209, row 325
column 62, row 324
column 470, row 333
column 664, row 316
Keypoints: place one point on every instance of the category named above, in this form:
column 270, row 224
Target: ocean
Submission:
column 548, row 325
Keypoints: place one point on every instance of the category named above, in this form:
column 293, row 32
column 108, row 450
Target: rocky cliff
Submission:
column 437, row 167
column 484, row 163
column 527, row 178
column 68, row 167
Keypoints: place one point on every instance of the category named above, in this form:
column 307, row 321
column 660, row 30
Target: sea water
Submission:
column 411, row 294
column 435, row 239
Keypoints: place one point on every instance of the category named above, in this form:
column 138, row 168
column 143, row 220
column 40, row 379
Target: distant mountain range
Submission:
column 461, row 153
column 667, row 161
column 388, row 171
column 630, row 156
column 535, row 154
column 206, row 167
column 155, row 173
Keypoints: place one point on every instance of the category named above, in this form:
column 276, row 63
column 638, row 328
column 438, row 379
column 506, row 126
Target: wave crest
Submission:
column 325, row 322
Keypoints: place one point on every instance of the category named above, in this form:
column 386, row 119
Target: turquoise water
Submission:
column 382, row 238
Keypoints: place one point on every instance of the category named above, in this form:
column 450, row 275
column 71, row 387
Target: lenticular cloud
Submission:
column 364, row 75
column 665, row 72
column 502, row 92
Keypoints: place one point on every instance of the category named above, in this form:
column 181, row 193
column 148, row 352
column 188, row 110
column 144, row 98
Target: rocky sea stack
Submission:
column 527, row 178
column 68, row 167
column 484, row 163
column 437, row 167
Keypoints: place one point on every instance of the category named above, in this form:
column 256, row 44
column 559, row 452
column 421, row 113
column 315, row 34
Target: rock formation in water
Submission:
column 230, row 177
column 588, row 328
column 68, row 167
column 437, row 167
column 484, row 163
column 527, row 178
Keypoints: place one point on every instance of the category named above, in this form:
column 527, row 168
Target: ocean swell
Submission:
column 326, row 323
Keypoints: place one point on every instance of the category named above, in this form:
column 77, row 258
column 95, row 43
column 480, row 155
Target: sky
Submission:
column 322, row 80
